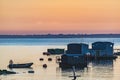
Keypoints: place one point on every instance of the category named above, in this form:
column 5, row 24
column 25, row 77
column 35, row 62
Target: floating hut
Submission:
column 77, row 48
column 74, row 55
column 102, row 50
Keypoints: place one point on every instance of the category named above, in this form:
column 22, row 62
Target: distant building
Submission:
column 102, row 49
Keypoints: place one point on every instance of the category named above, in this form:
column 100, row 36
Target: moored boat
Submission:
column 5, row 72
column 25, row 65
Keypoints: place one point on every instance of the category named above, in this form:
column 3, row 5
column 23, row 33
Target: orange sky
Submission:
column 59, row 16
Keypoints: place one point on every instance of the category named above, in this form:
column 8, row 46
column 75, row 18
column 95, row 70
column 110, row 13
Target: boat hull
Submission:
column 26, row 65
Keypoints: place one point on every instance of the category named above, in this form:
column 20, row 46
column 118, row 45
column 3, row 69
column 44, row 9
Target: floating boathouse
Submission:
column 74, row 55
column 102, row 50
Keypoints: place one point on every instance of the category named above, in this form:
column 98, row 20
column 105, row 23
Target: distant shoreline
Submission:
column 63, row 36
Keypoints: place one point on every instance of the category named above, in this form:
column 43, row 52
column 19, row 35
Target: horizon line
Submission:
column 69, row 34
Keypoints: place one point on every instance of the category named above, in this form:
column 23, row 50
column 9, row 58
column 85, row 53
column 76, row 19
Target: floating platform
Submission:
column 100, row 57
column 56, row 51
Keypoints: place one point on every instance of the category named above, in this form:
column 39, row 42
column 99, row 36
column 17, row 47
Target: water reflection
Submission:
column 102, row 63
column 101, row 69
column 21, row 70
column 96, row 69
column 102, row 66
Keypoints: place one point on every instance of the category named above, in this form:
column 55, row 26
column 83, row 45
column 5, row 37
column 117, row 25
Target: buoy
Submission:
column 49, row 59
column 44, row 53
column 41, row 59
column 48, row 54
column 58, row 59
column 44, row 65
column 30, row 71
column 11, row 62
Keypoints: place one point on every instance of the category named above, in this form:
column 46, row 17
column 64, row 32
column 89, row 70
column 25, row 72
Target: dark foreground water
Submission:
column 30, row 50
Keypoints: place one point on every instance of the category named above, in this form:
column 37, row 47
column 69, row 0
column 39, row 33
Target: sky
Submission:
column 59, row 16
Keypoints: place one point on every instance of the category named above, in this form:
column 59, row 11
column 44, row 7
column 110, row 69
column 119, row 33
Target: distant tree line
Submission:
column 63, row 36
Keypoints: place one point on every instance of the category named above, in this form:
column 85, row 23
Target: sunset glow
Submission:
column 59, row 16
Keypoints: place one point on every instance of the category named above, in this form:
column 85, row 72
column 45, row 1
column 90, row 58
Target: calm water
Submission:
column 30, row 50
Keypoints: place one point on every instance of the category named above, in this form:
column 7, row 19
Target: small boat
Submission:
column 25, row 65
column 5, row 72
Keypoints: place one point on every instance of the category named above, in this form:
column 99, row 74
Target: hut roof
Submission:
column 103, row 43
column 77, row 44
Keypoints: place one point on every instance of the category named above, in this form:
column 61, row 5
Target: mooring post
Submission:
column 74, row 75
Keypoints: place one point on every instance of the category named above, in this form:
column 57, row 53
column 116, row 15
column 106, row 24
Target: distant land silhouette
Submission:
column 63, row 36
